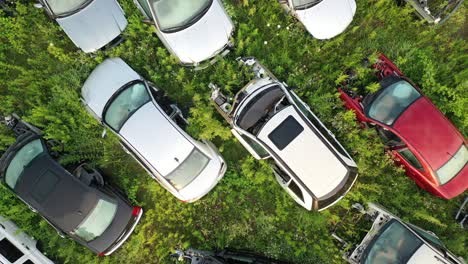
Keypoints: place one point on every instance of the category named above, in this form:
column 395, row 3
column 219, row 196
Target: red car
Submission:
column 420, row 138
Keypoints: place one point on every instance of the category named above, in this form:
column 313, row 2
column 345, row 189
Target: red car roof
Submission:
column 427, row 130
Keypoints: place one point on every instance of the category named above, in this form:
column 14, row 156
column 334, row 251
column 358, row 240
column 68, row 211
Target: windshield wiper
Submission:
column 308, row 5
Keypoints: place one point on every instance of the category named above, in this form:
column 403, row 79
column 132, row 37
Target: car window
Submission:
column 392, row 101
column 172, row 15
column 409, row 156
column 9, row 251
column 97, row 221
column 145, row 6
column 394, row 244
column 125, row 104
column 450, row 169
column 296, row 190
column 428, row 237
column 305, row 4
column 61, row 7
column 285, row 132
column 21, row 160
column 280, row 173
column 188, row 170
column 262, row 153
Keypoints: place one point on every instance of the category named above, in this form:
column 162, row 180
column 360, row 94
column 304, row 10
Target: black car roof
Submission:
column 50, row 189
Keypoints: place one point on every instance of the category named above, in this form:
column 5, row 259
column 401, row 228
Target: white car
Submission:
column 90, row 24
column 272, row 122
column 150, row 129
column 17, row 247
column 324, row 19
column 194, row 31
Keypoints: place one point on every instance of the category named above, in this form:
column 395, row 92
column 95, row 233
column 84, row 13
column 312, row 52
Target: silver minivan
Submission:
column 90, row 24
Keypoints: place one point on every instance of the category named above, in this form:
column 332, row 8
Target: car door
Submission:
column 413, row 167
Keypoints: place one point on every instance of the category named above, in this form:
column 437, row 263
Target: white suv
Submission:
column 272, row 122
column 150, row 129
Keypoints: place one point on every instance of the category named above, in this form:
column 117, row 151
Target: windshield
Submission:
column 172, row 15
column 61, row 7
column 394, row 245
column 392, row 101
column 450, row 169
column 125, row 104
column 21, row 160
column 97, row 221
column 304, row 4
column 188, row 170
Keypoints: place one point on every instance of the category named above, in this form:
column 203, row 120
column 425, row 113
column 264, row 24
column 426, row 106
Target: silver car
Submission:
column 90, row 24
column 194, row 31
column 150, row 129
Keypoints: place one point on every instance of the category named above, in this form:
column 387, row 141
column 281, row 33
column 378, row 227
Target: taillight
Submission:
column 102, row 254
column 136, row 211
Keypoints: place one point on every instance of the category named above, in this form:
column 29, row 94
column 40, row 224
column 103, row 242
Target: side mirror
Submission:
column 38, row 5
column 148, row 21
column 104, row 133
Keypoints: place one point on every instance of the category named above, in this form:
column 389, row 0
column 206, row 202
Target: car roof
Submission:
column 105, row 80
column 424, row 255
column 429, row 132
column 297, row 144
column 160, row 143
column 55, row 193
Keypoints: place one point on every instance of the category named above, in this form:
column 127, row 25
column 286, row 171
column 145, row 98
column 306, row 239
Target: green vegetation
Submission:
column 42, row 72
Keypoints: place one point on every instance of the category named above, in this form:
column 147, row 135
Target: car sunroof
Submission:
column 44, row 186
column 286, row 132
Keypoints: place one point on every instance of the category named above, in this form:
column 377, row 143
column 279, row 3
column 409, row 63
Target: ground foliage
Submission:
column 41, row 73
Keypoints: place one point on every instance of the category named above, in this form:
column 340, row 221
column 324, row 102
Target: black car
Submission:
column 80, row 205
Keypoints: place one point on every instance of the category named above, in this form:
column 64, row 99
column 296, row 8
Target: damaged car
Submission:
column 151, row 129
column 193, row 31
column 323, row 19
column 226, row 256
column 90, row 24
column 419, row 137
column 273, row 123
column 79, row 205
column 434, row 11
column 392, row 240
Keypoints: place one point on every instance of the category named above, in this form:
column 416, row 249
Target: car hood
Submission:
column 157, row 140
column 202, row 40
column 104, row 81
column 94, row 26
column 429, row 132
column 329, row 18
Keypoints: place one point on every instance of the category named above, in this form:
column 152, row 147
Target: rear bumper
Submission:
column 124, row 236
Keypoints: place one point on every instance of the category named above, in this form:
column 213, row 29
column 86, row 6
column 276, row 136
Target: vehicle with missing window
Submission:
column 151, row 129
column 419, row 137
column 226, row 256
column 80, row 205
column 324, row 19
column 90, row 24
column 392, row 240
column 194, row 31
column 272, row 122
column 16, row 247
column 433, row 11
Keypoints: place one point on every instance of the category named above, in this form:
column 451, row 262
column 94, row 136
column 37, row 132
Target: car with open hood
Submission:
column 151, row 129
column 193, row 31
column 420, row 138
column 392, row 240
column 80, row 205
column 324, row 19
column 273, row 123
column 90, row 24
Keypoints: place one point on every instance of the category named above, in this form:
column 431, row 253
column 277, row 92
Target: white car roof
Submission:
column 425, row 255
column 156, row 139
column 104, row 81
column 306, row 155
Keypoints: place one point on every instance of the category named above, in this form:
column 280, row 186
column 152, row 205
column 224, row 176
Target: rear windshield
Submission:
column 97, row 221
column 188, row 170
column 392, row 101
column 450, row 169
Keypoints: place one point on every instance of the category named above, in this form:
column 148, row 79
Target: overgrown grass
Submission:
column 41, row 75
